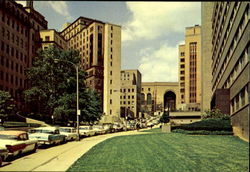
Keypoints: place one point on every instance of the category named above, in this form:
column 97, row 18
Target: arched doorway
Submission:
column 169, row 101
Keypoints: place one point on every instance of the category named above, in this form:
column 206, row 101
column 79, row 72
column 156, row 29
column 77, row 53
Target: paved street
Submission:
column 58, row 158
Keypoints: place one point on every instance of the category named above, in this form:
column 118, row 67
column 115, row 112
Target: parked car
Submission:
column 108, row 128
column 117, row 127
column 17, row 142
column 3, row 154
column 86, row 130
column 69, row 132
column 130, row 126
column 47, row 135
column 98, row 129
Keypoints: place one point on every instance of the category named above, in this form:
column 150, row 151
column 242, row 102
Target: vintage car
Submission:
column 3, row 154
column 47, row 135
column 86, row 130
column 69, row 132
column 108, row 127
column 117, row 127
column 98, row 129
column 17, row 142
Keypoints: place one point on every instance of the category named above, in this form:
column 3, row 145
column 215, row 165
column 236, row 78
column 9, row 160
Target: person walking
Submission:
column 137, row 126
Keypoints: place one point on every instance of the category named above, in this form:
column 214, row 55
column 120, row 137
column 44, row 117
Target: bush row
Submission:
column 203, row 132
column 216, row 124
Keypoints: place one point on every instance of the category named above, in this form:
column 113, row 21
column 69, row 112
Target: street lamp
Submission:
column 78, row 112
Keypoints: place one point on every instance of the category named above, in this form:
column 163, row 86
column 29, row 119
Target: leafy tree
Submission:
column 165, row 117
column 53, row 84
column 6, row 105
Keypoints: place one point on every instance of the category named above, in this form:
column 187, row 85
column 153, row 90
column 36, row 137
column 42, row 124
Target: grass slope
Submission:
column 166, row 152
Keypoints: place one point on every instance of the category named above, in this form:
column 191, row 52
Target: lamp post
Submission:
column 78, row 112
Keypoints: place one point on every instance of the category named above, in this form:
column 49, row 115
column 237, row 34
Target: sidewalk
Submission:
column 60, row 158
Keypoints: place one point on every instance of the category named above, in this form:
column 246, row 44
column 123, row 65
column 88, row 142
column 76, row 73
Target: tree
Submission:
column 6, row 105
column 53, row 85
column 165, row 117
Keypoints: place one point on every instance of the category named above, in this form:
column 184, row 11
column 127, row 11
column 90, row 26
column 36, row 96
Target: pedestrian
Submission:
column 137, row 126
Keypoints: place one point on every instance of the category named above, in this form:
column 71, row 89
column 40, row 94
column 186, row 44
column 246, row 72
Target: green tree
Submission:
column 53, row 85
column 6, row 105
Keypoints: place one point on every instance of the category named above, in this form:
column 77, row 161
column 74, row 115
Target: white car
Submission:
column 3, row 154
column 86, row 130
column 99, row 129
column 69, row 132
column 47, row 135
column 17, row 142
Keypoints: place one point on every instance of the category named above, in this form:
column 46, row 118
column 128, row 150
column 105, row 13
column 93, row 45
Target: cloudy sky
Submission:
column 151, row 31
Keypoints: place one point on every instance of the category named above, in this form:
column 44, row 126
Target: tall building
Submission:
column 99, row 45
column 130, row 93
column 19, row 41
column 206, row 55
column 230, row 62
column 190, row 69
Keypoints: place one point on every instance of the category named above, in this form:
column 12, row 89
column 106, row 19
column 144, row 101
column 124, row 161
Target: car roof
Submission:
column 12, row 132
column 45, row 128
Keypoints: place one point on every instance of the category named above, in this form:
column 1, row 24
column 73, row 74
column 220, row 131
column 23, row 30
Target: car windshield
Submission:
column 42, row 131
column 65, row 130
column 8, row 137
column 84, row 128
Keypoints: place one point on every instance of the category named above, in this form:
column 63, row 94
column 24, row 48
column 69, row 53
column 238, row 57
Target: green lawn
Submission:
column 166, row 152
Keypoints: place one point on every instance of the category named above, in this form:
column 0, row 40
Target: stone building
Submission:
column 230, row 62
column 19, row 41
column 130, row 98
column 99, row 45
column 190, row 70
column 159, row 96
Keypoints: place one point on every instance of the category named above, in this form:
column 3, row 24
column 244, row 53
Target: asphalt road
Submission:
column 58, row 158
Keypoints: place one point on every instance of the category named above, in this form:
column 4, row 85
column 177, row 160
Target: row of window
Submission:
column 124, row 90
column 128, row 102
column 11, row 51
column 11, row 65
column 14, row 25
column 142, row 89
column 239, row 66
column 233, row 45
column 128, row 97
column 14, row 38
column 11, row 79
column 240, row 100
column 237, row 36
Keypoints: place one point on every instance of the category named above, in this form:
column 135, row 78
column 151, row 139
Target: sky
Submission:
column 151, row 31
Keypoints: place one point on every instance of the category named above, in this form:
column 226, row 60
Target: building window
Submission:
column 110, row 82
column 110, row 101
column 110, row 91
column 149, row 99
column 148, row 89
column 182, row 60
column 47, row 38
column 133, row 90
column 110, row 112
column 182, row 66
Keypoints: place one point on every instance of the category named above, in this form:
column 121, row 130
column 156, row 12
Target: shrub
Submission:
column 203, row 132
column 215, row 113
column 207, row 124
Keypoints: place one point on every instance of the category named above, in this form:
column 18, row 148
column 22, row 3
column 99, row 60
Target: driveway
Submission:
column 59, row 158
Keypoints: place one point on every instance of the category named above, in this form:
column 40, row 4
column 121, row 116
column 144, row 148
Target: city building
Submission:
column 130, row 98
column 99, row 45
column 19, row 41
column 230, row 62
column 51, row 37
column 206, row 55
column 157, row 97
column 190, row 70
